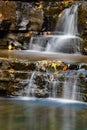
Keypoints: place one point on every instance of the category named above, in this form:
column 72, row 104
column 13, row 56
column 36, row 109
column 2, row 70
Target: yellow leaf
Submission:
column 40, row 7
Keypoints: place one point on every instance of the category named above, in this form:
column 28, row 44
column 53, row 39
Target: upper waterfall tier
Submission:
column 67, row 21
column 68, row 42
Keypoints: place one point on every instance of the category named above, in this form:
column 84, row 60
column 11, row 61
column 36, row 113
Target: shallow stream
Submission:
column 42, row 114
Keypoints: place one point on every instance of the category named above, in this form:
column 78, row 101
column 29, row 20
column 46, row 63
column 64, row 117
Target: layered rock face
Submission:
column 20, row 16
column 41, row 79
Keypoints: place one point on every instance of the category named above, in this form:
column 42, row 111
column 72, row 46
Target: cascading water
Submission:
column 70, row 85
column 67, row 22
column 68, row 41
column 63, row 85
column 30, row 85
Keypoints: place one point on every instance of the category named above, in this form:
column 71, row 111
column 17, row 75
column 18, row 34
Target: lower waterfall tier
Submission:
column 43, row 79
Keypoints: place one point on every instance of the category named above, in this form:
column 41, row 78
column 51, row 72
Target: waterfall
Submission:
column 70, row 90
column 30, row 85
column 67, row 22
column 65, row 85
column 54, row 88
column 66, row 40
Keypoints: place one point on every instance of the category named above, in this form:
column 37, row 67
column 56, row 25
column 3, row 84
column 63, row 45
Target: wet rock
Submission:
column 73, row 66
column 82, row 84
column 41, row 93
column 5, row 25
column 83, row 66
column 4, row 84
column 61, row 77
column 1, row 63
column 16, row 87
column 40, row 80
column 21, row 75
column 85, row 98
column 32, row 66
column 17, row 65
column 5, row 65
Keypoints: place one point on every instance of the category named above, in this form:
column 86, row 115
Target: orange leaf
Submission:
column 65, row 68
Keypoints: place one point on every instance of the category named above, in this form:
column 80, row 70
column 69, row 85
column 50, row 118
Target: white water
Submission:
column 53, row 91
column 30, row 85
column 74, row 90
column 67, row 23
column 70, row 90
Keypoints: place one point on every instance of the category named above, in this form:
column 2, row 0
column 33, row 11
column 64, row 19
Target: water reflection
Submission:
column 28, row 115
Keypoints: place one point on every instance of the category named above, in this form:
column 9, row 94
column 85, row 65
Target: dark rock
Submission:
column 40, row 80
column 32, row 66
column 41, row 93
column 3, row 92
column 4, row 84
column 83, row 66
column 1, row 63
column 5, row 25
column 5, row 65
column 73, row 66
column 21, row 75
column 85, row 98
column 17, row 65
